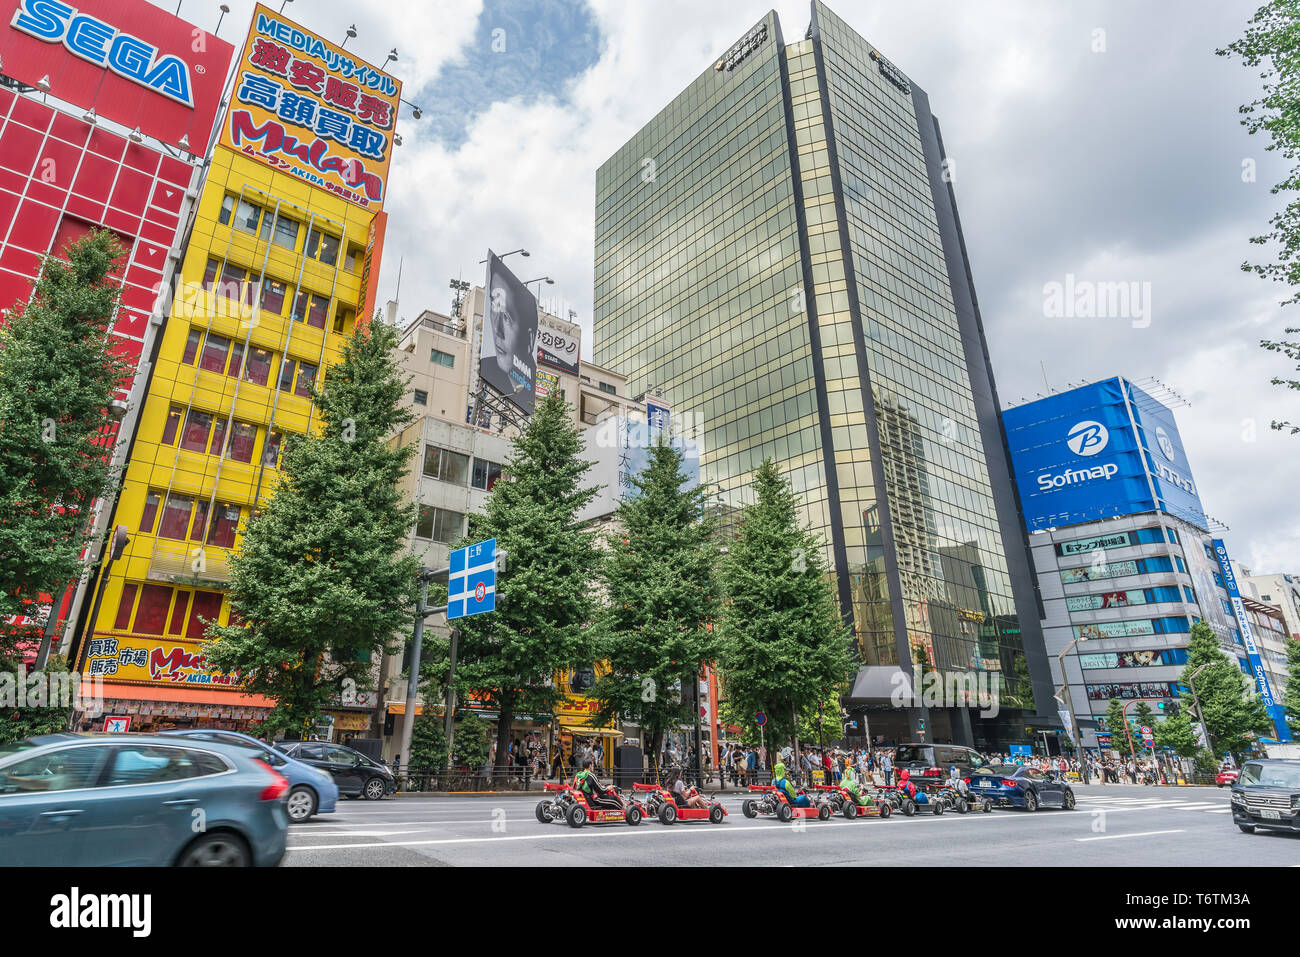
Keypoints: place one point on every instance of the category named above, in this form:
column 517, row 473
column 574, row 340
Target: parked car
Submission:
column 1267, row 795
column 138, row 800
column 1011, row 785
column 1226, row 775
column 311, row 790
column 934, row 760
column 354, row 773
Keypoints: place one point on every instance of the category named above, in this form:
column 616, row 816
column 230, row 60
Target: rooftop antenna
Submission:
column 1042, row 365
column 397, row 296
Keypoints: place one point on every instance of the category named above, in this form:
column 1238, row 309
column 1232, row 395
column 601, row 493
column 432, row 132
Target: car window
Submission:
column 1271, row 775
column 61, row 770
column 340, row 756
column 310, row 752
column 1033, row 774
column 150, row 764
column 910, row 755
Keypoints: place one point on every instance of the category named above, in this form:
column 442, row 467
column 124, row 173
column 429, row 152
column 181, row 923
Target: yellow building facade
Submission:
column 270, row 284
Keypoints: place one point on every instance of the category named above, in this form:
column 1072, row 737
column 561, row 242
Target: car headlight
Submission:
column 1295, row 801
column 1238, row 797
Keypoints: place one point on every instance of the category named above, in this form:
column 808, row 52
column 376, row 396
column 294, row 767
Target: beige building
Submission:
column 456, row 464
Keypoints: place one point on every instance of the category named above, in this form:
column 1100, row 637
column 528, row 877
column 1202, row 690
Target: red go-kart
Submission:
column 659, row 803
column 841, row 802
column 772, row 800
column 567, row 803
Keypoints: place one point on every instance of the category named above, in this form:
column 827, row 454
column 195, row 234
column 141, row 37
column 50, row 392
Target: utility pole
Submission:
column 1200, row 715
column 422, row 611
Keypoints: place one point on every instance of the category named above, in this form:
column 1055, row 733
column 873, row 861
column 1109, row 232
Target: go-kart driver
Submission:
column 905, row 785
column 850, row 783
column 780, row 782
column 684, row 796
column 587, row 782
column 956, row 781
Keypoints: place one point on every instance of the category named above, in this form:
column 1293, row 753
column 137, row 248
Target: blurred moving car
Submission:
column 1226, row 775
column 934, row 760
column 1013, row 785
column 354, row 773
column 311, row 790
column 110, row 800
column 1267, row 795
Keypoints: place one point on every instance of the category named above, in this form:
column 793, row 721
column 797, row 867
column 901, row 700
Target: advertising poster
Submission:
column 508, row 352
column 154, row 661
column 559, row 348
column 309, row 108
column 129, row 61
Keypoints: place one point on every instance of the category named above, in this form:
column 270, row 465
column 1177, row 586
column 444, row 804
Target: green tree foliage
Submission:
column 428, row 743
column 473, row 741
column 662, row 599
column 321, row 582
column 1115, row 724
column 35, row 717
column 1291, row 697
column 1231, row 707
column 1179, row 733
column 546, row 598
column 784, row 644
column 58, row 374
column 1271, row 45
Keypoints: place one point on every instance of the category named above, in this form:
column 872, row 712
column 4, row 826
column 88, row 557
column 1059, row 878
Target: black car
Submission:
column 1267, row 794
column 934, row 760
column 354, row 773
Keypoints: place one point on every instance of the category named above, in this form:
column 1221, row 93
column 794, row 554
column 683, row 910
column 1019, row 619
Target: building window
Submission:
column 242, row 438
column 443, row 359
column 271, row 451
column 172, row 424
column 286, row 232
column 215, row 353
column 306, row 380
column 274, row 293
column 225, row 520
column 151, row 501
column 344, row 319
column 311, row 309
column 322, row 246
column 198, row 425
column 355, row 256
column 257, row 368
column 191, row 347
column 445, row 465
column 607, row 387
column 176, row 514
column 439, row 524
column 486, row 474
column 421, row 397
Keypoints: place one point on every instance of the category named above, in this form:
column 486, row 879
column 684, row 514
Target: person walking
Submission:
column 887, row 766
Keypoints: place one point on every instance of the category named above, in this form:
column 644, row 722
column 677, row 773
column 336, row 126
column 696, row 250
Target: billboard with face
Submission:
column 1098, row 451
column 508, row 351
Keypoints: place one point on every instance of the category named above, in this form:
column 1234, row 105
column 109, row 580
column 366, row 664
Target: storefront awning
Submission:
column 183, row 693
column 581, row 729
column 399, row 707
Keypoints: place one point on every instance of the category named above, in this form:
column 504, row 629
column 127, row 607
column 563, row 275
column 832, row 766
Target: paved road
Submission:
column 1113, row 824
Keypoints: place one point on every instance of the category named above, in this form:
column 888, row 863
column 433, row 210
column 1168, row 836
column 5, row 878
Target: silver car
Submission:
column 138, row 800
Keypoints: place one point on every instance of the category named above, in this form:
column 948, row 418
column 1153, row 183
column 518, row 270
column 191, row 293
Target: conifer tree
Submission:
column 1231, row 708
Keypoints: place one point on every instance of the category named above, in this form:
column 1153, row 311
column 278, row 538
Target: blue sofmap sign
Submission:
column 1275, row 711
column 1098, row 451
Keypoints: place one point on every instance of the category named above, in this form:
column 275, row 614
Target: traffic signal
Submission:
column 920, row 724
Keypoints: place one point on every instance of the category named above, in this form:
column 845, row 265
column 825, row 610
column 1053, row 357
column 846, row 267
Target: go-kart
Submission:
column 571, row 805
column 943, row 797
column 841, row 801
column 772, row 800
column 897, row 799
column 659, row 803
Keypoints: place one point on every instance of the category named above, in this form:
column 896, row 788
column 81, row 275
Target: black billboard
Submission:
column 508, row 351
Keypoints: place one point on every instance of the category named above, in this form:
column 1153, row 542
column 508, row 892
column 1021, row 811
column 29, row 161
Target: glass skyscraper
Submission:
column 779, row 251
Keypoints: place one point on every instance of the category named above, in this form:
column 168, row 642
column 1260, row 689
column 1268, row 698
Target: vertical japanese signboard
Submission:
column 308, row 108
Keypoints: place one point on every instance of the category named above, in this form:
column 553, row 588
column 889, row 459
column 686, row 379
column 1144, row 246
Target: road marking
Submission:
column 1112, row 837
column 1226, row 810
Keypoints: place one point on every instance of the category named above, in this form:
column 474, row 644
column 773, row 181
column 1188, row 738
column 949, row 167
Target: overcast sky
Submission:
column 1094, row 139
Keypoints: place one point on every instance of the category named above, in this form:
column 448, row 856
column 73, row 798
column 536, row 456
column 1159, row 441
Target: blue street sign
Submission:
column 472, row 580
column 760, row 719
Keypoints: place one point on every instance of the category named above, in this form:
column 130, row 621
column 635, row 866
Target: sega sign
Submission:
column 126, row 59
column 1099, row 451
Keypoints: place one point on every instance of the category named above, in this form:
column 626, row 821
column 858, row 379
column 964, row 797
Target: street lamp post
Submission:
column 1069, row 705
column 1200, row 715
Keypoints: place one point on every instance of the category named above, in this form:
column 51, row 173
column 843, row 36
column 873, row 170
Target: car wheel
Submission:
column 1247, row 828
column 301, row 804
column 633, row 815
column 1220, row 784
column 986, row 806
column 1031, row 801
column 668, row 814
column 784, row 813
column 909, row 807
column 850, row 810
column 823, row 813
column 375, row 789
column 577, row 816
column 543, row 812
column 1069, row 801
column 715, row 814
column 747, row 809
column 215, row 850
column 886, row 810
column 963, row 806
column 938, row 807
